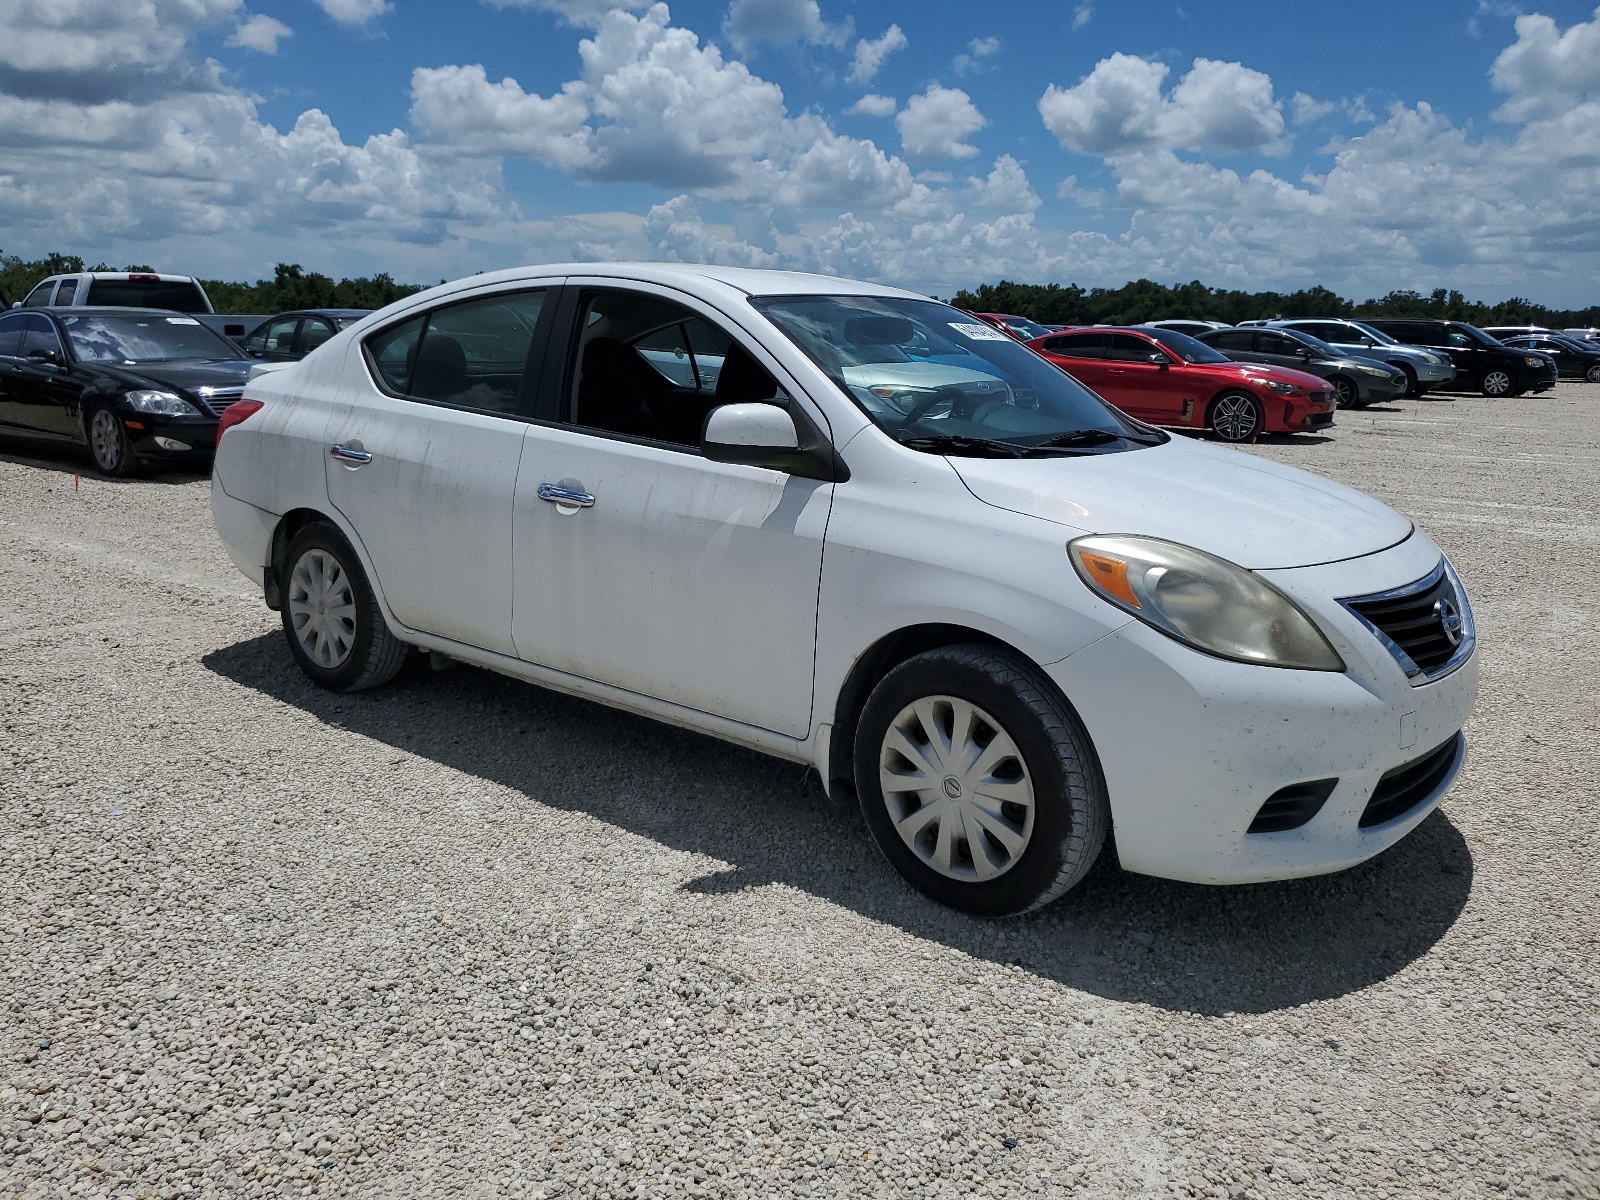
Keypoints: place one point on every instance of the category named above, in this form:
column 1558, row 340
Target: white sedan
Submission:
column 855, row 528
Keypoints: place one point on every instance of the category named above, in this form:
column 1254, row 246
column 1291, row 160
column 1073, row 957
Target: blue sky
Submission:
column 1252, row 145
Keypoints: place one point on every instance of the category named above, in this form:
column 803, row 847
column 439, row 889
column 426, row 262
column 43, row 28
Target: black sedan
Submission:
column 136, row 387
column 1576, row 358
column 1356, row 382
column 290, row 336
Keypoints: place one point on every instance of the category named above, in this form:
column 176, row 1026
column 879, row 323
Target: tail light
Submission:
column 239, row 410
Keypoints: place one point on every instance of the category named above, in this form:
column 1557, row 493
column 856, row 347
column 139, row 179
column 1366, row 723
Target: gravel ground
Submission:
column 461, row 937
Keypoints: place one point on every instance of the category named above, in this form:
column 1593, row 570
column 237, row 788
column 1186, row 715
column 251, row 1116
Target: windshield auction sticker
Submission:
column 979, row 333
column 182, row 321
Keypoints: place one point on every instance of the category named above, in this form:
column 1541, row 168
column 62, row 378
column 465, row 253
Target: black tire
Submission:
column 1224, row 417
column 1070, row 812
column 372, row 654
column 1497, row 383
column 1593, row 374
column 1345, row 392
column 109, row 444
column 1413, row 388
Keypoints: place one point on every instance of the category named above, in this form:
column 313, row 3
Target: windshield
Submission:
column 924, row 371
column 143, row 337
column 1027, row 329
column 1315, row 344
column 1186, row 347
column 1377, row 335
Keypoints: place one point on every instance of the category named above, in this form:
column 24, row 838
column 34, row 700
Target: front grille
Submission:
column 1293, row 806
column 1407, row 786
column 1425, row 625
column 1321, row 397
column 217, row 399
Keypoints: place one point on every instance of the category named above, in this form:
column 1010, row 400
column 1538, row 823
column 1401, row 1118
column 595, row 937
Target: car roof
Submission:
column 145, row 275
column 320, row 312
column 749, row 280
column 117, row 308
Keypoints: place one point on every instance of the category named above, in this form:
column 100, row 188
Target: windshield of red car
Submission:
column 1186, row 348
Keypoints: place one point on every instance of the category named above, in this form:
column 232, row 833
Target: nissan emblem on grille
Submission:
column 1449, row 619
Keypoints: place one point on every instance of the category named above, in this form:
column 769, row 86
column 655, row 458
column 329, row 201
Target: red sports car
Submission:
column 1167, row 378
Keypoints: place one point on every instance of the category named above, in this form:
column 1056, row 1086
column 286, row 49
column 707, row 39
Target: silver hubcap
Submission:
column 1593, row 375
column 322, row 608
column 105, row 439
column 1347, row 392
column 956, row 788
column 1497, row 383
column 1234, row 418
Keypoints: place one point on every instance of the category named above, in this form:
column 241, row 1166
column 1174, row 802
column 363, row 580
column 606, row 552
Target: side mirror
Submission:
column 1159, row 360
column 44, row 357
column 755, row 435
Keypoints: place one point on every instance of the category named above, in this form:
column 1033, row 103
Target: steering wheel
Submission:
column 949, row 394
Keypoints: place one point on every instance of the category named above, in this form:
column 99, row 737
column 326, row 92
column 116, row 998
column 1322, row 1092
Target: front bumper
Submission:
column 162, row 439
column 1531, row 380
column 1192, row 746
column 1378, row 391
column 1435, row 373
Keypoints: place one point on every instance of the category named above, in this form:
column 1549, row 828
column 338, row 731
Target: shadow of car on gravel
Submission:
column 1127, row 937
column 85, row 467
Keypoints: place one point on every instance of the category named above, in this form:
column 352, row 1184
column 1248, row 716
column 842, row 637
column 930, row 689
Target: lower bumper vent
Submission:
column 1408, row 785
column 1293, row 806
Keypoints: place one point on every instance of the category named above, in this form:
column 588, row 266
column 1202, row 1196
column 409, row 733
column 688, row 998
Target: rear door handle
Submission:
column 352, row 456
column 557, row 494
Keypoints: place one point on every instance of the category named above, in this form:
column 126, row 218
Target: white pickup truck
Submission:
column 139, row 289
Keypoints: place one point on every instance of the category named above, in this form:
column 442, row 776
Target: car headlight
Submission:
column 1380, row 372
column 1533, row 362
column 1202, row 601
column 1282, row 388
column 161, row 404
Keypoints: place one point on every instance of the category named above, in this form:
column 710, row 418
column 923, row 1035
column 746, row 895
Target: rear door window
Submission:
column 66, row 293
column 313, row 333
column 469, row 355
column 1078, row 345
column 1233, row 339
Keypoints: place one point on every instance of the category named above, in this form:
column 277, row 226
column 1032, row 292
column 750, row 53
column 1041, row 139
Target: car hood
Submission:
column 1252, row 370
column 185, row 377
column 1250, row 511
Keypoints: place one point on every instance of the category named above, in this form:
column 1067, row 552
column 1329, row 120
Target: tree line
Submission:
column 291, row 286
column 1145, row 300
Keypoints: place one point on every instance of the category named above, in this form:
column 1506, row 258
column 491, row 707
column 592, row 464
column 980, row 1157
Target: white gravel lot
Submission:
column 460, row 937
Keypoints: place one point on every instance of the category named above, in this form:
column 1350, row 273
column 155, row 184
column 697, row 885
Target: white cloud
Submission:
column 577, row 12
column 457, row 109
column 979, row 51
column 353, row 12
column 751, row 22
column 873, row 105
column 1119, row 107
column 1546, row 71
column 678, row 233
column 936, row 123
column 1083, row 14
column 1006, row 188
column 871, row 53
column 260, row 32
column 1307, row 109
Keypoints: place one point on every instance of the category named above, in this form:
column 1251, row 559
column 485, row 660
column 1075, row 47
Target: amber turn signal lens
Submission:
column 1110, row 574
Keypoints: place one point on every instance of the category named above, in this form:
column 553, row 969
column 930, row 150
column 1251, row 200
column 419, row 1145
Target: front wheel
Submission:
column 978, row 782
column 1413, row 387
column 1345, row 392
column 1593, row 374
column 1236, row 417
column 1497, row 383
column 331, row 618
column 109, row 444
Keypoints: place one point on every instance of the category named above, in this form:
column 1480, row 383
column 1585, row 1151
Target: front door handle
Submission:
column 566, row 496
column 352, row 455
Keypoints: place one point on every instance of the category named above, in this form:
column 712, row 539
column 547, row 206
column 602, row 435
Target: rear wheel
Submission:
column 1497, row 383
column 1236, row 417
column 978, row 781
column 109, row 444
column 1345, row 392
column 331, row 618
